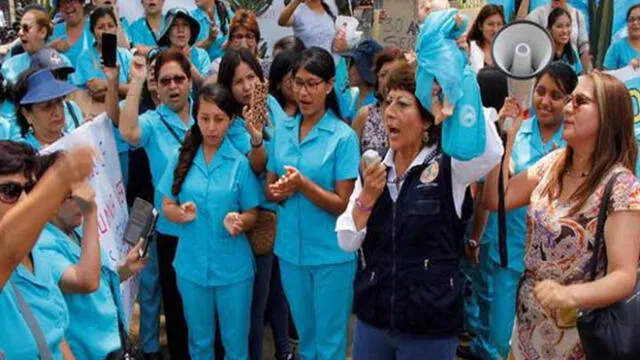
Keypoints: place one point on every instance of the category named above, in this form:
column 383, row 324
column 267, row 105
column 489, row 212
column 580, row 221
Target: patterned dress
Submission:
column 374, row 135
column 560, row 247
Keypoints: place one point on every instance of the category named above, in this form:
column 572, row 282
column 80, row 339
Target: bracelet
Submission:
column 474, row 244
column 257, row 146
column 362, row 207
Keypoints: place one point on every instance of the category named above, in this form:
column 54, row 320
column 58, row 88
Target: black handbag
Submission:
column 613, row 332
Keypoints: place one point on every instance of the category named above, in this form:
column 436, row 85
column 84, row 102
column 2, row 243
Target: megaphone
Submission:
column 521, row 50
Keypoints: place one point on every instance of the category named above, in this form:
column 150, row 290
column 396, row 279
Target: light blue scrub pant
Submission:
column 320, row 298
column 471, row 310
column 150, row 298
column 496, row 290
column 231, row 303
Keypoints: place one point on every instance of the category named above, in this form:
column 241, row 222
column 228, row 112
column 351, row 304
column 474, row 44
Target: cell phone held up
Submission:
column 109, row 47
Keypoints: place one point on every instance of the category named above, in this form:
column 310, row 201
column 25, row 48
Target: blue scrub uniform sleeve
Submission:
column 56, row 254
column 166, row 181
column 84, row 70
column 250, row 194
column 271, row 150
column 203, row 63
column 348, row 157
column 145, row 122
column 125, row 63
column 611, row 58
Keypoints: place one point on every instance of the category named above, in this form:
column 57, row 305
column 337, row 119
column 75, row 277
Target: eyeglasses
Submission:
column 578, row 100
column 25, row 28
column 240, row 37
column 310, row 86
column 11, row 191
column 178, row 79
column 633, row 19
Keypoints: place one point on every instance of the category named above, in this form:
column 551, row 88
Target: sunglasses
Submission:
column 578, row 100
column 10, row 192
column 178, row 79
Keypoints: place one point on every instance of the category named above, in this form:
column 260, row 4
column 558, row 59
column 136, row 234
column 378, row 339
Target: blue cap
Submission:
column 47, row 58
column 363, row 56
column 170, row 18
column 43, row 86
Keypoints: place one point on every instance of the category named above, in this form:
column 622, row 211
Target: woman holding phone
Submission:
column 90, row 75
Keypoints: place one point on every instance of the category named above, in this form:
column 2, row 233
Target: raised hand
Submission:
column 138, row 68
column 83, row 195
column 76, row 165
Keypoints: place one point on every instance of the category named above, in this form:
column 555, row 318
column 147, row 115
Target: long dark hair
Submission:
column 221, row 9
column 487, row 11
column 211, row 93
column 553, row 17
column 282, row 65
column 228, row 65
column 319, row 62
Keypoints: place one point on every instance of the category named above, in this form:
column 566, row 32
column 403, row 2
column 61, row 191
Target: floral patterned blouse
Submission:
column 560, row 247
column 374, row 135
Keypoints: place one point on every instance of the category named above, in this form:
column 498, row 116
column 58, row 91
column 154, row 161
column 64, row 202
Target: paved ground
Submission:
column 268, row 338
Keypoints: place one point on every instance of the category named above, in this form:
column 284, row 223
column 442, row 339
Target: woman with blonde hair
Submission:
column 564, row 191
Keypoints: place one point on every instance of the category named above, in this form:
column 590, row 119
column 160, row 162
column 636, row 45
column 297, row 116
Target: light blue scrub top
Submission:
column 84, row 42
column 215, row 50
column 126, row 27
column 30, row 139
column 72, row 113
column 369, row 100
column 620, row 54
column 528, row 148
column 577, row 65
column 14, row 66
column 160, row 146
column 141, row 33
column 200, row 59
column 329, row 153
column 44, row 298
column 89, row 66
column 93, row 318
column 207, row 254
column 4, row 129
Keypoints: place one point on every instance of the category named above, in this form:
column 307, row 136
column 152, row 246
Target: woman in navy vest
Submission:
column 406, row 216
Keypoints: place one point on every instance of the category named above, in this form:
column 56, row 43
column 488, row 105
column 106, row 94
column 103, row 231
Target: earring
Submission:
column 425, row 137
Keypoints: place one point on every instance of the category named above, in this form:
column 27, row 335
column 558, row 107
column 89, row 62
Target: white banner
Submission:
column 109, row 188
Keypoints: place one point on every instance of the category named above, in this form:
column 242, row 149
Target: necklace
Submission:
column 579, row 175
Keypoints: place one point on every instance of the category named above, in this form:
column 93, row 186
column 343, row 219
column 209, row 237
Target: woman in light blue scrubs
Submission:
column 622, row 52
column 40, row 113
column 361, row 75
column 537, row 137
column 89, row 73
column 71, row 37
column 210, row 191
column 91, row 288
column 160, row 132
column 559, row 26
column 180, row 32
column 240, row 71
column 23, row 267
column 145, row 29
column 214, row 18
column 312, row 167
column 35, row 30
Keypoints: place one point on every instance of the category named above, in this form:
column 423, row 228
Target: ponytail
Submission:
column 223, row 14
column 188, row 151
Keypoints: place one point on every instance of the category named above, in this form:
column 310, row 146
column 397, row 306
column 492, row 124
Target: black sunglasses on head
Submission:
column 11, row 191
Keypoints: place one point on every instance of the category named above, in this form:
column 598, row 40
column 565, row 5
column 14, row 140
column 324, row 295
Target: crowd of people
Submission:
column 235, row 151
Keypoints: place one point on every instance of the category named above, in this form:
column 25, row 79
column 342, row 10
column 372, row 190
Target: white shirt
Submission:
column 463, row 173
column 579, row 35
column 476, row 56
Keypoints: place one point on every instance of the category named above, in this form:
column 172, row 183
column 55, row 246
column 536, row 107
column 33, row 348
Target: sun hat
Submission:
column 42, row 86
column 170, row 18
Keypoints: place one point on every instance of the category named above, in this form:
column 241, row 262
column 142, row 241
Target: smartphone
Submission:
column 109, row 44
column 148, row 236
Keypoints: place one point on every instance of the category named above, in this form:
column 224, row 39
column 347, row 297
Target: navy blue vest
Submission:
column 408, row 278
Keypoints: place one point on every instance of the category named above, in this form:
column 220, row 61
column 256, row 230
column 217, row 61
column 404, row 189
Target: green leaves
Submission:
column 259, row 7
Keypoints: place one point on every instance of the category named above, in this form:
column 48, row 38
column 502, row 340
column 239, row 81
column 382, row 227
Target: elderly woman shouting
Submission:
column 406, row 215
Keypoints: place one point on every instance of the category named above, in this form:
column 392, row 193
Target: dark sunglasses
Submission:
column 178, row 79
column 11, row 191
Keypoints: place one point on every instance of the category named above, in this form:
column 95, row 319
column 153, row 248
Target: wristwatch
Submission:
column 472, row 243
